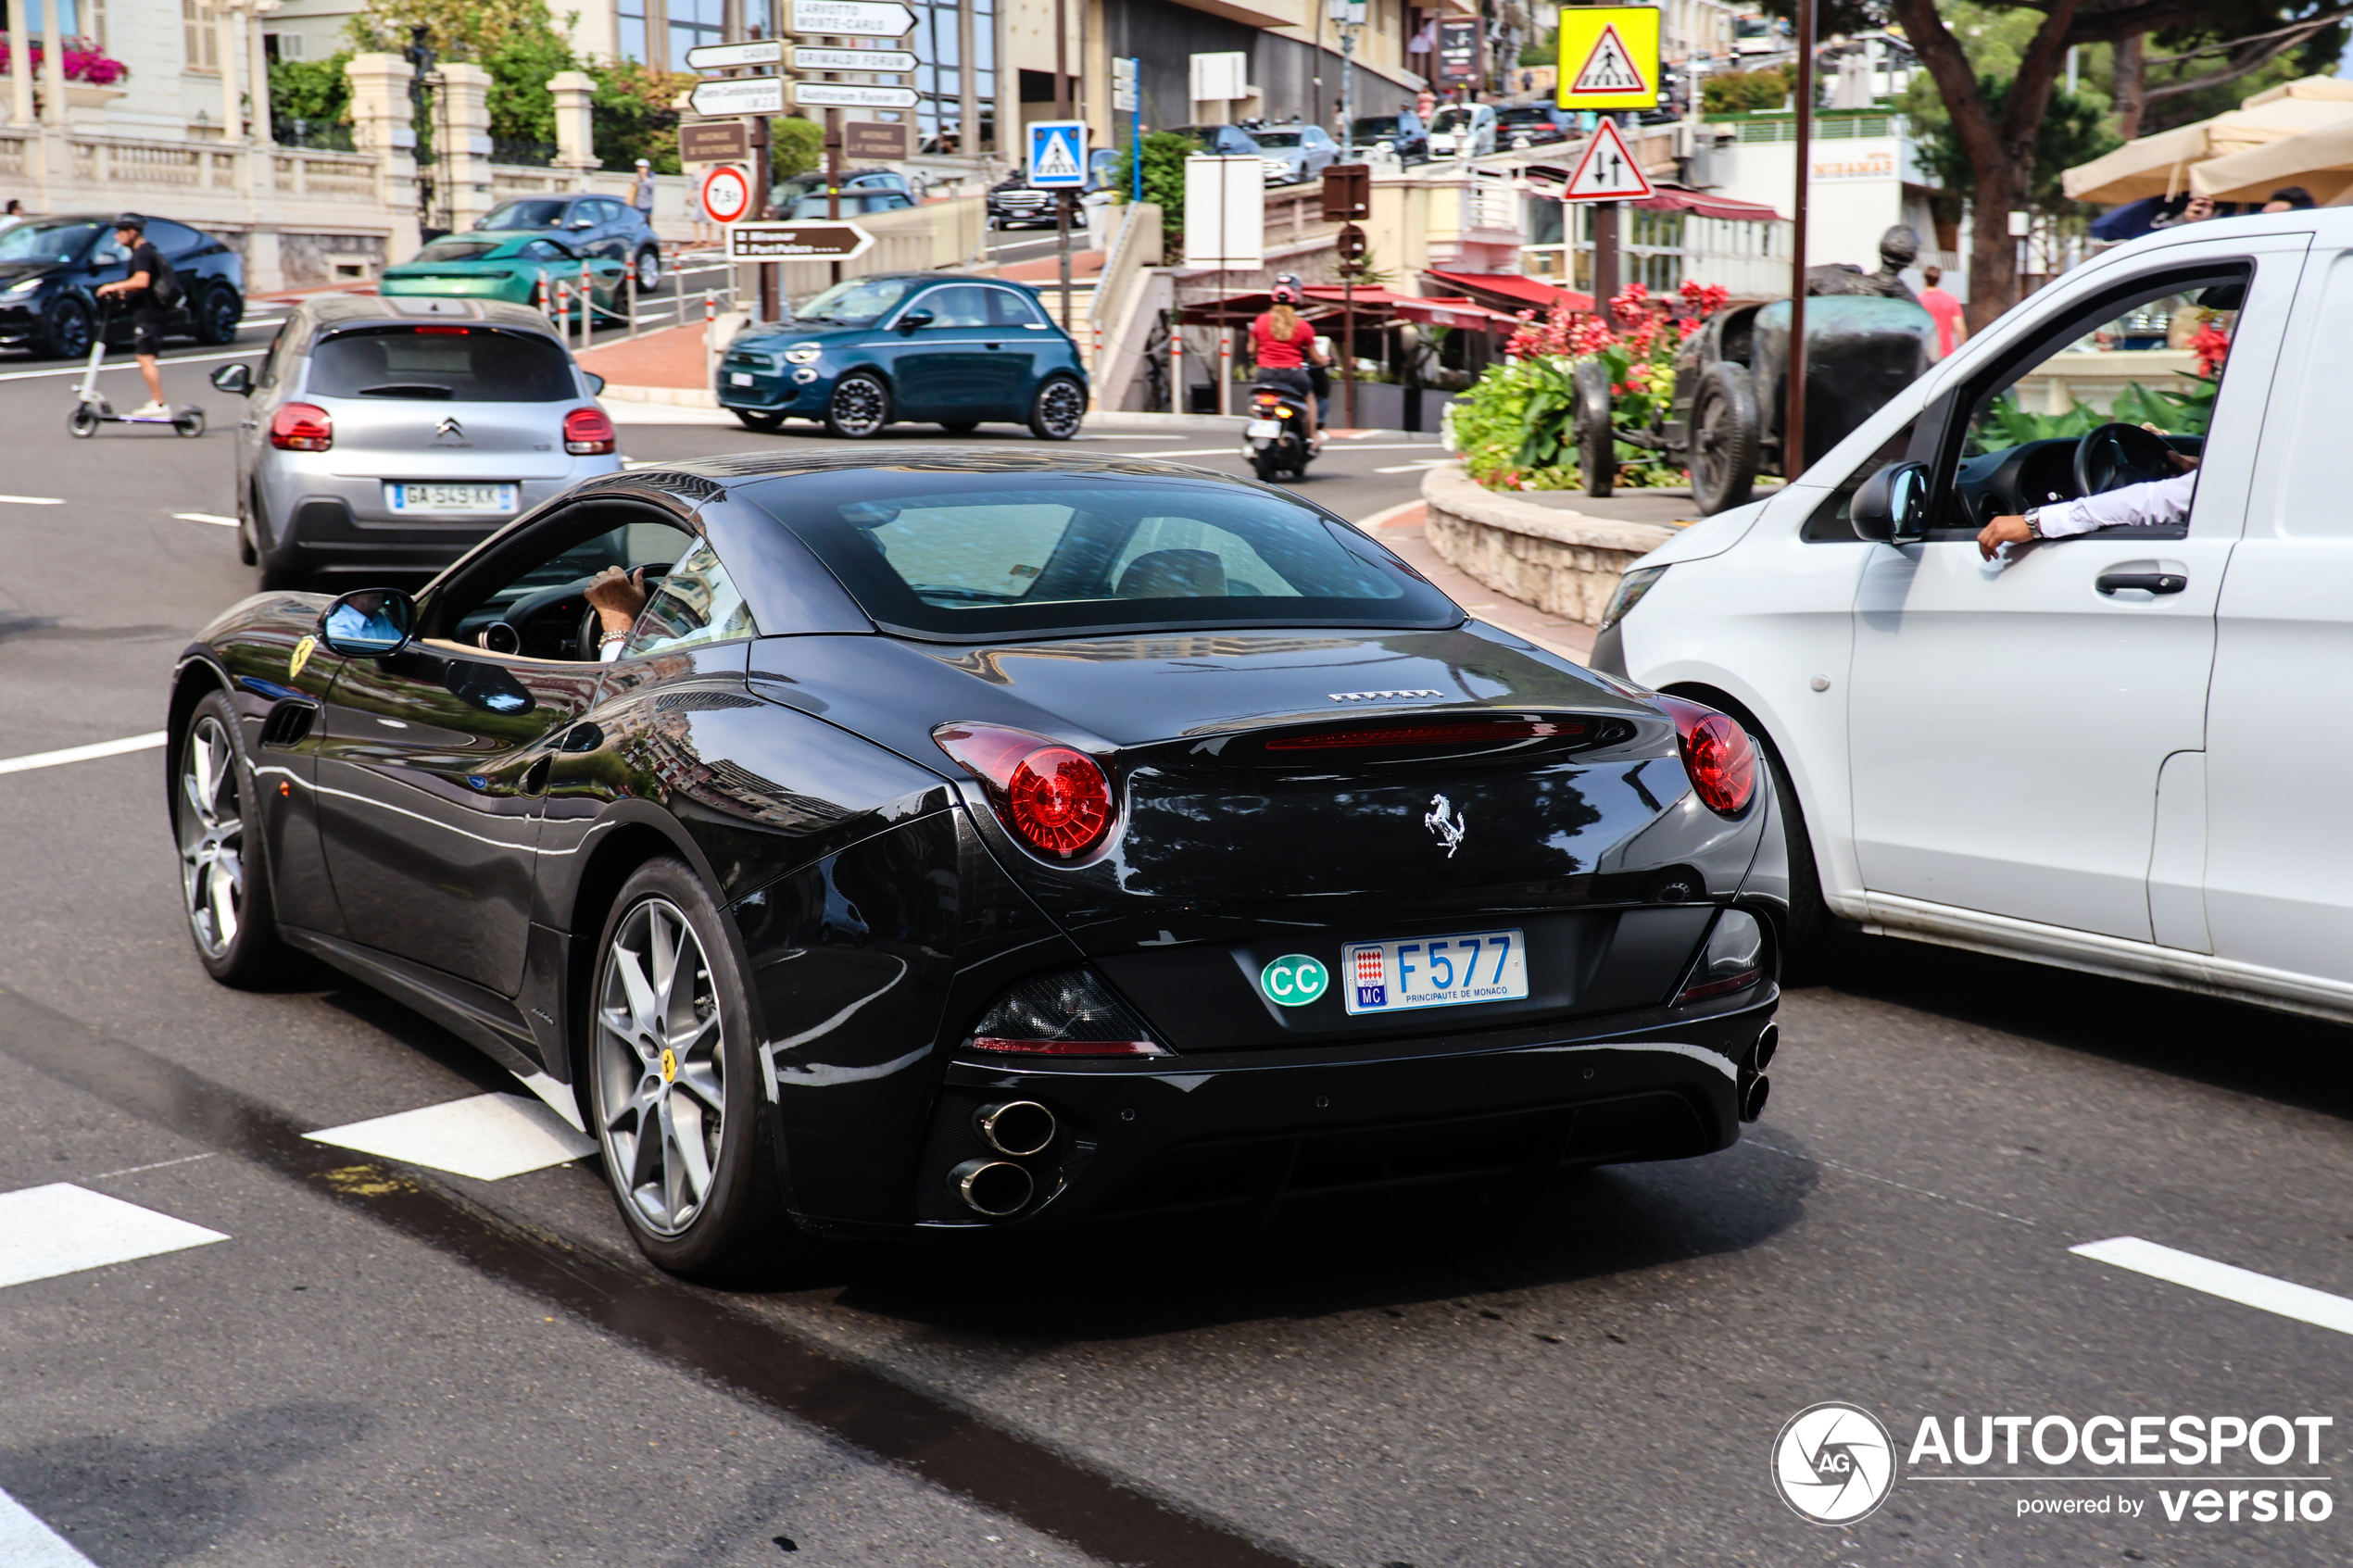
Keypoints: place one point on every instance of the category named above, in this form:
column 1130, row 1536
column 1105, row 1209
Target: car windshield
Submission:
column 1377, row 125
column 45, row 242
column 531, row 213
column 964, row 555
column 1451, row 119
column 1532, row 115
column 456, row 249
column 1277, row 137
column 442, row 363
column 856, row 302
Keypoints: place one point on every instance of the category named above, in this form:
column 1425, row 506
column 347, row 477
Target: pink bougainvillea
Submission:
column 2211, row 346
column 83, row 63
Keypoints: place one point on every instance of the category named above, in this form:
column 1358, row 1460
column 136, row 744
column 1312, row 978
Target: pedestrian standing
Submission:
column 14, row 215
column 641, row 195
column 1951, row 328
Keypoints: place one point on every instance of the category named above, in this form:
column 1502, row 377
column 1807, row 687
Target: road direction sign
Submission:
column 740, row 94
column 806, row 58
column 874, row 140
column 863, row 19
column 717, row 141
column 1123, row 85
column 1607, row 173
column 852, row 95
column 797, row 242
column 1609, row 57
column 726, row 193
column 730, row 57
column 1057, row 154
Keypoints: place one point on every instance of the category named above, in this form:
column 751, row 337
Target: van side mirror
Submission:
column 234, row 377
column 1891, row 506
column 368, row 624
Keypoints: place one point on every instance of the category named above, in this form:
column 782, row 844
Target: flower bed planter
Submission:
column 1563, row 562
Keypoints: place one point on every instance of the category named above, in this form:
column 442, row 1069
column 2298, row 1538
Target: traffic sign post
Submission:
column 735, row 56
column 740, row 94
column 853, row 59
column 852, row 19
column 797, row 242
column 1608, row 57
column 727, row 194
column 723, row 141
column 1605, row 176
column 851, row 95
column 1058, row 154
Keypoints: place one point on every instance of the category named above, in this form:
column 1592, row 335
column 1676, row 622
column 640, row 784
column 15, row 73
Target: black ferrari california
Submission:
column 963, row 841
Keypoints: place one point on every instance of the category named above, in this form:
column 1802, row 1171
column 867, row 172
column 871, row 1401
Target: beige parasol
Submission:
column 2165, row 163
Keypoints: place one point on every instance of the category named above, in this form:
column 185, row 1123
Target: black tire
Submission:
column 1058, row 409
column 770, row 423
column 188, row 423
column 1266, row 466
column 217, row 316
column 668, row 1064
column 224, row 868
column 65, row 332
column 646, row 271
column 1725, row 438
column 1595, row 433
column 960, row 428
column 83, row 424
column 859, row 406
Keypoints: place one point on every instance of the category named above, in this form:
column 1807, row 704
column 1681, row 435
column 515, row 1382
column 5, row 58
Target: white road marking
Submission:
column 2243, row 1285
column 81, row 753
column 33, row 501
column 1418, row 465
column 1234, row 451
column 207, row 517
column 253, row 353
column 488, row 1138
column 63, row 1229
column 25, row 1542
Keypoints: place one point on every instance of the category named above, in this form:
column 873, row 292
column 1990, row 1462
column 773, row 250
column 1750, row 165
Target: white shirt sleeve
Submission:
column 609, row 652
column 2156, row 503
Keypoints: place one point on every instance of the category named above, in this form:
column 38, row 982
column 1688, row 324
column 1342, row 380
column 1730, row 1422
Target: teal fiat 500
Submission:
column 923, row 346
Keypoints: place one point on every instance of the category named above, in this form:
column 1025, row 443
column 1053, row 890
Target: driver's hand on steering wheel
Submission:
column 618, row 596
column 2182, row 463
column 2000, row 532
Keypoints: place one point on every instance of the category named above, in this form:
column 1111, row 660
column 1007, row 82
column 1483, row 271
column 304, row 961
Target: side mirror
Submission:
column 914, row 318
column 368, row 624
column 234, row 377
column 1891, row 506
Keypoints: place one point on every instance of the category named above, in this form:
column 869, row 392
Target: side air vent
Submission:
column 288, row 723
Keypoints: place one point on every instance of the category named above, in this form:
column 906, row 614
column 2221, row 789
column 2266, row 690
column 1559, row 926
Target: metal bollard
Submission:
column 1224, row 370
column 587, row 305
column 1176, row 368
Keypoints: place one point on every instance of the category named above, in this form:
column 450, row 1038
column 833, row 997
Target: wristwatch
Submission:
column 2034, row 523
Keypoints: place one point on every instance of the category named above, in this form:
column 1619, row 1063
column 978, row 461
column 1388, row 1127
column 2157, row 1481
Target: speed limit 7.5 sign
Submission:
column 727, row 194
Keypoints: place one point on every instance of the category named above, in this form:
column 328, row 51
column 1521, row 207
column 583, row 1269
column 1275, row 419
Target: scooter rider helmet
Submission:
column 131, row 220
column 1287, row 289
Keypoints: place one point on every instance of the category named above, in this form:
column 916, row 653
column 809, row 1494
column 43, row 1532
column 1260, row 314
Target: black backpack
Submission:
column 164, row 287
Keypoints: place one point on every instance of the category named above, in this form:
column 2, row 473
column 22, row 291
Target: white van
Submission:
column 2122, row 752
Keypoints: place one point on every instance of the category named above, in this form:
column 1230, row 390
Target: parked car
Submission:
column 1400, row 135
column 977, row 844
column 1294, row 154
column 1519, row 126
column 860, row 203
column 1463, row 131
column 956, row 351
column 2106, row 750
column 387, row 437
column 519, row 269
column 787, row 194
column 1225, row 141
column 50, row 269
column 1014, row 200
column 602, row 227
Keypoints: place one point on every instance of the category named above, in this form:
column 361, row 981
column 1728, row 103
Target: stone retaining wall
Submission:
column 1560, row 562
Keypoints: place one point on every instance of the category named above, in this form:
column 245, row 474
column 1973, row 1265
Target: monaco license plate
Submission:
column 1268, row 427
column 1435, row 972
column 411, row 499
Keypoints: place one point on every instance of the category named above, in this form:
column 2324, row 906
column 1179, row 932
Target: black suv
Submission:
column 50, row 269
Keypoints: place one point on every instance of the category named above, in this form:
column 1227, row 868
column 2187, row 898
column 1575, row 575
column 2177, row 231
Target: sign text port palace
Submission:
column 797, row 242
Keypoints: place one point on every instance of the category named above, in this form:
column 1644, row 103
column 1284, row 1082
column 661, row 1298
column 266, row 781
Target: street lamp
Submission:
column 1347, row 15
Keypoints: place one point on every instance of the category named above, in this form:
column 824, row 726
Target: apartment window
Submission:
column 692, row 24
column 201, row 23
column 632, row 19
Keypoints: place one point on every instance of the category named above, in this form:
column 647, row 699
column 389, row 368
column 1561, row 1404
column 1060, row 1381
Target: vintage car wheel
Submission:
column 673, row 1081
column 1724, row 438
column 858, row 407
column 1595, row 436
column 224, row 880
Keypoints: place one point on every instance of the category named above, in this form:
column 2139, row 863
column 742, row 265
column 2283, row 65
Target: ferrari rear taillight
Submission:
column 587, row 431
column 1057, row 799
column 301, row 427
column 1717, row 754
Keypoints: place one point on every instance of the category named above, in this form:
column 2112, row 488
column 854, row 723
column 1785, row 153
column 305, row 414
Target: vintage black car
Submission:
column 992, row 841
column 1731, row 390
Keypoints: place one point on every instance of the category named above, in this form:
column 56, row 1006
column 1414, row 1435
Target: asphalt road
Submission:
column 365, row 1362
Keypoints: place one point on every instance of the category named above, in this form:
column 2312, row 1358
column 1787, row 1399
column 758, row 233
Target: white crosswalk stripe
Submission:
column 63, row 1229
column 488, row 1138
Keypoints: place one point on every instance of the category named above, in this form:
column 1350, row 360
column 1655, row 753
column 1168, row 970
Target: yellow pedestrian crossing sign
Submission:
column 1609, row 56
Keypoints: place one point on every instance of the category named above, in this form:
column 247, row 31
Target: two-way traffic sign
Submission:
column 1057, row 154
column 1607, row 173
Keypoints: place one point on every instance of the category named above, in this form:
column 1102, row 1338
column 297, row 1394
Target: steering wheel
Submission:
column 2116, row 454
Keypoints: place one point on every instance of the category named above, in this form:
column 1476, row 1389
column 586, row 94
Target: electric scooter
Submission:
column 1276, row 439
column 92, row 409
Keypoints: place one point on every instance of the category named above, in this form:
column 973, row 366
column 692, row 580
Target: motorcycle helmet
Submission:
column 1287, row 289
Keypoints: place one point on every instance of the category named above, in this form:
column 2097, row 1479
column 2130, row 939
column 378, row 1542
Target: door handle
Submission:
column 2147, row 581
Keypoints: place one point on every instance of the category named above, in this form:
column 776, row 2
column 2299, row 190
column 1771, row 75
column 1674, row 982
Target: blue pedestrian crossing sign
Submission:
column 1057, row 154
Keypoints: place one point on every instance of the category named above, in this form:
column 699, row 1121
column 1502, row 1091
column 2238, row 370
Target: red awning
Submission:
column 1442, row 312
column 1510, row 291
column 1667, row 199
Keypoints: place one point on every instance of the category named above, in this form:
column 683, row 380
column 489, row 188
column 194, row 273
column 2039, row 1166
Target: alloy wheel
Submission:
column 212, row 836
column 1061, row 407
column 661, row 1082
column 648, row 271
column 70, row 330
column 860, row 405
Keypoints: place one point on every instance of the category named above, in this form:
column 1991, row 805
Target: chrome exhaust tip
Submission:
column 994, row 1187
column 1021, row 1127
column 1753, row 1098
column 1760, row 1055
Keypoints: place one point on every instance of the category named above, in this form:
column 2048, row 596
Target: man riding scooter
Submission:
column 1284, row 347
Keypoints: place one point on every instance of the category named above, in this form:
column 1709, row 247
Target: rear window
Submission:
column 975, row 556
column 454, row 364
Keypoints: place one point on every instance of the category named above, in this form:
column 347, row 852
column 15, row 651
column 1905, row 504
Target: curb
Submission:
column 1562, row 562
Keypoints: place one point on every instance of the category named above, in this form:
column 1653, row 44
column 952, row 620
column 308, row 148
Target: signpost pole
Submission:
column 1061, row 111
column 1794, row 419
column 769, row 282
column 833, row 174
column 1605, row 283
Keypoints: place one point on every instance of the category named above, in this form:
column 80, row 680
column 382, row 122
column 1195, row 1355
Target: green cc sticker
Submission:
column 1293, row 981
